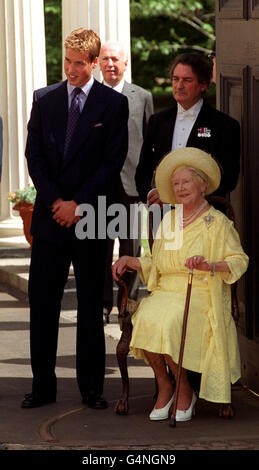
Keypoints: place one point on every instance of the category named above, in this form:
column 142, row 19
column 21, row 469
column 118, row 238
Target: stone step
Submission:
column 69, row 300
column 13, row 252
column 14, row 271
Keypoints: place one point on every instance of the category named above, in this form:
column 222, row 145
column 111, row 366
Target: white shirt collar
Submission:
column 191, row 112
column 118, row 87
column 86, row 88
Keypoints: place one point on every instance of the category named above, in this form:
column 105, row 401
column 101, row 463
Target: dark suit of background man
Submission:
column 113, row 64
column 65, row 176
column 192, row 123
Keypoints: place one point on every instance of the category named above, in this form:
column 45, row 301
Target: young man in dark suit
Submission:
column 192, row 123
column 76, row 146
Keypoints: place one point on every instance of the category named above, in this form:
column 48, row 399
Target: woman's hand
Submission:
column 123, row 264
column 200, row 263
column 197, row 262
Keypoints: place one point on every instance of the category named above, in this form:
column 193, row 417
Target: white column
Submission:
column 23, row 69
column 109, row 18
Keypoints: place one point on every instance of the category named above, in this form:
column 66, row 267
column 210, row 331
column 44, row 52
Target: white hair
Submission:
column 199, row 175
column 118, row 45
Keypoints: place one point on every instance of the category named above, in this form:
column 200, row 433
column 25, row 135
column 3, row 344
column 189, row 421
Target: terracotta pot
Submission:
column 26, row 211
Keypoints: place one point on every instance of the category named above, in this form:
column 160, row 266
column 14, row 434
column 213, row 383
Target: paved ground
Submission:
column 67, row 424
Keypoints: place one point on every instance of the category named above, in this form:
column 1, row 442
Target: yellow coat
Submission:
column 211, row 346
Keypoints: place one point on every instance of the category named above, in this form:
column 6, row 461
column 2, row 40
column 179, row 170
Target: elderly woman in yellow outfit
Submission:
column 211, row 247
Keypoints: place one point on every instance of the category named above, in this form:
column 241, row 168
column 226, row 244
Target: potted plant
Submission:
column 23, row 200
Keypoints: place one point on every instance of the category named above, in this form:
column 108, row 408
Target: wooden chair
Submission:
column 129, row 306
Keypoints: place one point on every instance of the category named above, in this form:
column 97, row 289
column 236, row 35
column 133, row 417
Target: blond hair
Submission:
column 84, row 40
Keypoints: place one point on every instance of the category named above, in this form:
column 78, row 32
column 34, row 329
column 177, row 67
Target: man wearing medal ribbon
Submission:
column 191, row 123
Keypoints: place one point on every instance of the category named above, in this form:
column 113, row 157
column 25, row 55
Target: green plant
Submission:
column 27, row 195
column 53, row 30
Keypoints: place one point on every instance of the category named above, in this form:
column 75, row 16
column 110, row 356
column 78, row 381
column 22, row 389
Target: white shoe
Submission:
column 158, row 414
column 186, row 415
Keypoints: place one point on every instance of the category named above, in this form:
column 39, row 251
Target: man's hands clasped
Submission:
column 64, row 212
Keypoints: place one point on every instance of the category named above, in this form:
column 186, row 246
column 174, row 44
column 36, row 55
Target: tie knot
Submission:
column 186, row 114
column 76, row 91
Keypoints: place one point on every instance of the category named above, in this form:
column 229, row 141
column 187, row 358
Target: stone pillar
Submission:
column 109, row 18
column 23, row 69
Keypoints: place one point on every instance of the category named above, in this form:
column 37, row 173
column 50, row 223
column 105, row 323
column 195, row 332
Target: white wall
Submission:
column 23, row 68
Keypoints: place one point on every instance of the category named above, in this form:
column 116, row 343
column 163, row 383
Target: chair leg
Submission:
column 156, row 390
column 106, row 316
column 122, row 405
column 227, row 411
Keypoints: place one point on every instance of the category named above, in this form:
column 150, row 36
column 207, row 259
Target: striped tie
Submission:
column 73, row 115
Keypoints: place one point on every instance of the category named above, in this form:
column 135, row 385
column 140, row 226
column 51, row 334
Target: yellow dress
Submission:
column 211, row 346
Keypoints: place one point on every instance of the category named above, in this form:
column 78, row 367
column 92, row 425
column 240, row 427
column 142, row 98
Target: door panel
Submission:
column 254, row 8
column 237, row 37
column 232, row 9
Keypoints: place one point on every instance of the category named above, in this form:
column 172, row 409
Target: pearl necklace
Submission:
column 194, row 214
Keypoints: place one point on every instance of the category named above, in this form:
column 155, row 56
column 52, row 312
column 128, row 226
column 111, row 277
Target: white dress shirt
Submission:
column 118, row 87
column 184, row 124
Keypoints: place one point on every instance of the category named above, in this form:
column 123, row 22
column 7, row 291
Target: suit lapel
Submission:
column 87, row 119
column 167, row 131
column 59, row 112
column 200, row 122
column 128, row 91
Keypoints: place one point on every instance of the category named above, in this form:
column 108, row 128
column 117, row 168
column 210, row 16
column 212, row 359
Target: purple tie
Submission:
column 73, row 115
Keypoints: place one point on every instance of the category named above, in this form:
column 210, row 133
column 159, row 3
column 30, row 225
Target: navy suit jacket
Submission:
column 222, row 141
column 94, row 159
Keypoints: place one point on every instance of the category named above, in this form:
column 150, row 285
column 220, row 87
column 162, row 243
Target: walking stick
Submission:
column 180, row 361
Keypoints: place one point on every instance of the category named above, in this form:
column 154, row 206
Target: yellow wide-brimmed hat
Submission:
column 190, row 157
